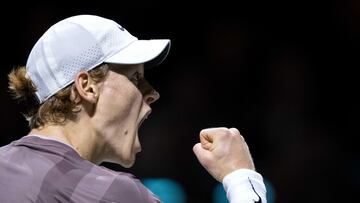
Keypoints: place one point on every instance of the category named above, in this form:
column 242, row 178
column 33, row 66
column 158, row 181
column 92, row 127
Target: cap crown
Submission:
column 71, row 45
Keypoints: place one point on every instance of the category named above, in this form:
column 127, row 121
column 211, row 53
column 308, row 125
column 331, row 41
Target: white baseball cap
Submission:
column 81, row 43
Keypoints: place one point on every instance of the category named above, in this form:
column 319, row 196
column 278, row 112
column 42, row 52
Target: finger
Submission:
column 201, row 153
column 212, row 134
column 235, row 131
column 206, row 140
column 197, row 148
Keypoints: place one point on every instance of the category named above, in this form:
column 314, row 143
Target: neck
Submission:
column 78, row 135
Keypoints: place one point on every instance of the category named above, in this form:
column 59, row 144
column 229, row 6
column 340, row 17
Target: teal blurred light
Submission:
column 168, row 190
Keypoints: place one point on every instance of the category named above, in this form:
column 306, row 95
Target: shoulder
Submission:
column 125, row 187
column 103, row 185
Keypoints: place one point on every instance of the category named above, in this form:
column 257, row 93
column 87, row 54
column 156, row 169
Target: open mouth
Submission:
column 144, row 118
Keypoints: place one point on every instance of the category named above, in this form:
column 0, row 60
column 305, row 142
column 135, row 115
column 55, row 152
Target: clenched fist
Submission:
column 222, row 151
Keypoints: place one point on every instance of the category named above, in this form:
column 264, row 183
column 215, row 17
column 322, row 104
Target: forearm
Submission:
column 244, row 186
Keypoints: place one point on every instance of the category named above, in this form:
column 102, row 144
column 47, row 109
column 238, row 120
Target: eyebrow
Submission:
column 140, row 73
column 127, row 70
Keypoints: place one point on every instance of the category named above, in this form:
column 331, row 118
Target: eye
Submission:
column 135, row 78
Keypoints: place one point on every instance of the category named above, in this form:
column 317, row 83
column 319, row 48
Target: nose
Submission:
column 151, row 97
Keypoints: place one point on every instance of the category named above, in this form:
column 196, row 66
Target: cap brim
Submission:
column 150, row 52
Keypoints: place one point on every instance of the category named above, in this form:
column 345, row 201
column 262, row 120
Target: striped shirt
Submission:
column 38, row 170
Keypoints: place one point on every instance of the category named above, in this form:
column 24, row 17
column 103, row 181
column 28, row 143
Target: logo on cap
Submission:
column 121, row 28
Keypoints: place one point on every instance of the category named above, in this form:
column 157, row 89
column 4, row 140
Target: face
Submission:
column 123, row 104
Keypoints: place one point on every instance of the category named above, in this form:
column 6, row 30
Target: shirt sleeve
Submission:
column 244, row 186
column 127, row 188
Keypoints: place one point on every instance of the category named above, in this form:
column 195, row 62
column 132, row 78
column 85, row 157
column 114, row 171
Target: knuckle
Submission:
column 235, row 131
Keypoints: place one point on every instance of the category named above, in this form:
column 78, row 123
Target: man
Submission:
column 87, row 96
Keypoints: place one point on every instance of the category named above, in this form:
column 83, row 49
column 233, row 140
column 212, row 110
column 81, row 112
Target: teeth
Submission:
column 144, row 118
column 146, row 115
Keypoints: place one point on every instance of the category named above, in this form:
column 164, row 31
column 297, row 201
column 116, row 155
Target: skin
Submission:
column 108, row 115
column 222, row 151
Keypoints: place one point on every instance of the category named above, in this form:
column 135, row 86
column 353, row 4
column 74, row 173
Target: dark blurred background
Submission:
column 283, row 73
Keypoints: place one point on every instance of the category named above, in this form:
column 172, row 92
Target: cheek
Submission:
column 120, row 102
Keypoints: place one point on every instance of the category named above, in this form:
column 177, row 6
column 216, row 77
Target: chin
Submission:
column 124, row 163
column 127, row 164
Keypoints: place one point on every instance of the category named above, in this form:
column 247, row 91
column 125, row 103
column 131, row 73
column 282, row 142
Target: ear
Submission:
column 86, row 87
